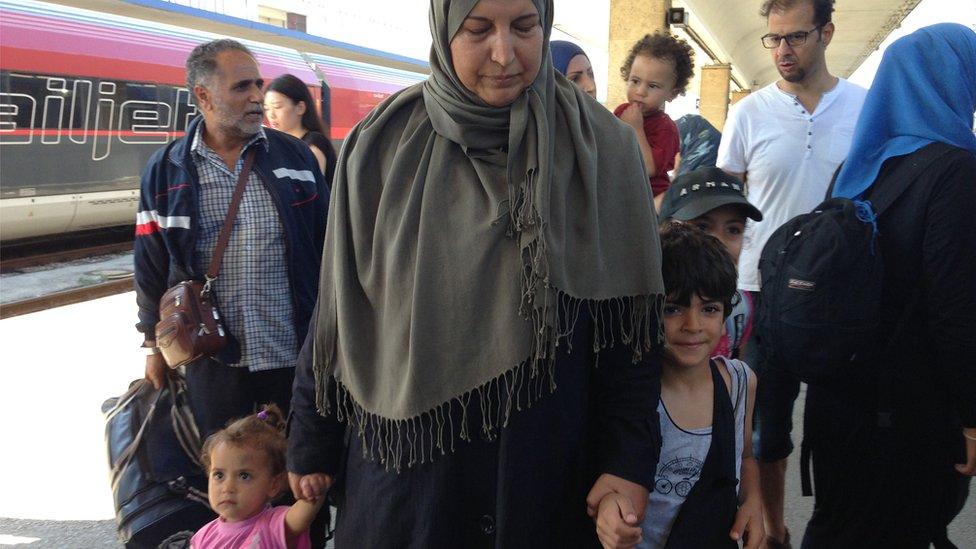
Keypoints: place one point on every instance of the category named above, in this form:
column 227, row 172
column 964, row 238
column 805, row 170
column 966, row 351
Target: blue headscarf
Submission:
column 562, row 53
column 924, row 92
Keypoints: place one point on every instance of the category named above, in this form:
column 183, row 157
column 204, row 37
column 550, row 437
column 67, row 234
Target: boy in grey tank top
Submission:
column 700, row 280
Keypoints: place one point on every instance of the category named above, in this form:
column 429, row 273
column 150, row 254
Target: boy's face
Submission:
column 726, row 223
column 692, row 331
column 651, row 83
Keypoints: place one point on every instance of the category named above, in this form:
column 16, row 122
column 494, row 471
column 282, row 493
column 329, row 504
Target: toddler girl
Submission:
column 245, row 464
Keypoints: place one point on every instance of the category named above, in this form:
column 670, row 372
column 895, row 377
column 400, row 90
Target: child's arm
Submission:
column 748, row 524
column 617, row 524
column 633, row 117
column 299, row 517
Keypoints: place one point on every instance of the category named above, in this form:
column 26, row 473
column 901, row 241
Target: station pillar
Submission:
column 739, row 95
column 714, row 96
column 630, row 20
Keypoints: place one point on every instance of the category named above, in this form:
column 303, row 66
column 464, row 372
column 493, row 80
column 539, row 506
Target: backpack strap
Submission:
column 926, row 156
column 900, row 180
column 907, row 173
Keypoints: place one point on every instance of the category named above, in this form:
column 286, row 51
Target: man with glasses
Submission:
column 785, row 141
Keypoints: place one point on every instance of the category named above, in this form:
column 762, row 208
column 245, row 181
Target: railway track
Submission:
column 36, row 260
column 25, row 268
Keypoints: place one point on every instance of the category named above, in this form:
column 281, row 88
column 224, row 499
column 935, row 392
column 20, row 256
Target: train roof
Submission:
column 235, row 26
column 66, row 40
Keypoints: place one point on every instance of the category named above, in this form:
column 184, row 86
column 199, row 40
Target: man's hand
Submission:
column 608, row 483
column 633, row 117
column 156, row 370
column 617, row 525
column 309, row 487
column 748, row 525
column 969, row 468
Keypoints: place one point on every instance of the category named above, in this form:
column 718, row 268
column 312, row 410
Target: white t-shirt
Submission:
column 788, row 156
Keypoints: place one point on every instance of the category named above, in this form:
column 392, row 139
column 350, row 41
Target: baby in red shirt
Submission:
column 657, row 69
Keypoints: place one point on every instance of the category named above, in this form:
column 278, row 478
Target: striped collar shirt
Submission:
column 253, row 289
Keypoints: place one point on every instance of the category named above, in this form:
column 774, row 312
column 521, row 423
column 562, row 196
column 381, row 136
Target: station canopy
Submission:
column 728, row 30
column 732, row 30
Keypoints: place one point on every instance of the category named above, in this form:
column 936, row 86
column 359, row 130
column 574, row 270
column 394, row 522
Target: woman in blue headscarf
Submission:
column 900, row 486
column 572, row 62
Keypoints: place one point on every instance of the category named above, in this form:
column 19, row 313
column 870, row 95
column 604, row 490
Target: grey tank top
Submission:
column 683, row 453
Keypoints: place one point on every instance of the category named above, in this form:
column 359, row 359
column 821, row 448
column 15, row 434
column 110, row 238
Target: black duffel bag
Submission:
column 158, row 483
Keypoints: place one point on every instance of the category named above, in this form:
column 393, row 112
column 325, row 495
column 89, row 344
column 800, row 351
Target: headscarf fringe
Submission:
column 399, row 443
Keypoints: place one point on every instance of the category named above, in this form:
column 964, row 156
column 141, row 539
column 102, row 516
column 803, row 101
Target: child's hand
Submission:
column 969, row 468
column 309, row 491
column 748, row 525
column 617, row 524
column 607, row 483
column 309, row 487
column 633, row 117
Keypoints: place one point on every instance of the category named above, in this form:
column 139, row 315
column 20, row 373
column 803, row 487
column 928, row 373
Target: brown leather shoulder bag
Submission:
column 190, row 325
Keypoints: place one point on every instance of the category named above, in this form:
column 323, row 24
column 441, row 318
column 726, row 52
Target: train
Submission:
column 86, row 97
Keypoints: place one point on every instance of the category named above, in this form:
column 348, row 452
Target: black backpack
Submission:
column 822, row 275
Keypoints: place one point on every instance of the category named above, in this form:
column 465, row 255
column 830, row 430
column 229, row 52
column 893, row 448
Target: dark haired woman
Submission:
column 290, row 108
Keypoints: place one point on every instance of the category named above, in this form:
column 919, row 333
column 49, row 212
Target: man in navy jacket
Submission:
column 268, row 280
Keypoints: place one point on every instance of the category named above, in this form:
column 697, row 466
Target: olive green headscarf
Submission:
column 462, row 241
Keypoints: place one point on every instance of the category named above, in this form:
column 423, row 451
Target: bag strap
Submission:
column 903, row 178
column 214, row 269
column 184, row 427
column 126, row 456
column 928, row 155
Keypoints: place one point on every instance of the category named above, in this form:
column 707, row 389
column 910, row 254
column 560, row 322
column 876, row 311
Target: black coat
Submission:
column 525, row 488
column 897, row 488
column 707, row 514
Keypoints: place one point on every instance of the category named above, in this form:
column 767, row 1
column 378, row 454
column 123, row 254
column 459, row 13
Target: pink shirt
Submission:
column 266, row 530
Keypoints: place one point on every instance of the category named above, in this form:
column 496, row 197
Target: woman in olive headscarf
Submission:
column 481, row 359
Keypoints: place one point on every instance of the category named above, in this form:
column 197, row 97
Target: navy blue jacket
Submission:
column 167, row 223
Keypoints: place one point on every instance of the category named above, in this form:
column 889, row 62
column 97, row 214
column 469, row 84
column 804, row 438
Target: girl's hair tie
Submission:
column 263, row 415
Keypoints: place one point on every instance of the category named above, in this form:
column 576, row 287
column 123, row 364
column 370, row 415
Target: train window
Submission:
column 19, row 102
column 143, row 118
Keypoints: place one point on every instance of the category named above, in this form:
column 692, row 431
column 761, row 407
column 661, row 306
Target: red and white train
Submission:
column 86, row 97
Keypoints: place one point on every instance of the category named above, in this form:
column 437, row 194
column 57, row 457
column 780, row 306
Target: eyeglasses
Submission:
column 793, row 39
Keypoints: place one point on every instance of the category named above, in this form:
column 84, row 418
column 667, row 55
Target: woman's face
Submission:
column 580, row 72
column 283, row 113
column 497, row 51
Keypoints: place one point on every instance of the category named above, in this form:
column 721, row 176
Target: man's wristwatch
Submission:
column 151, row 350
